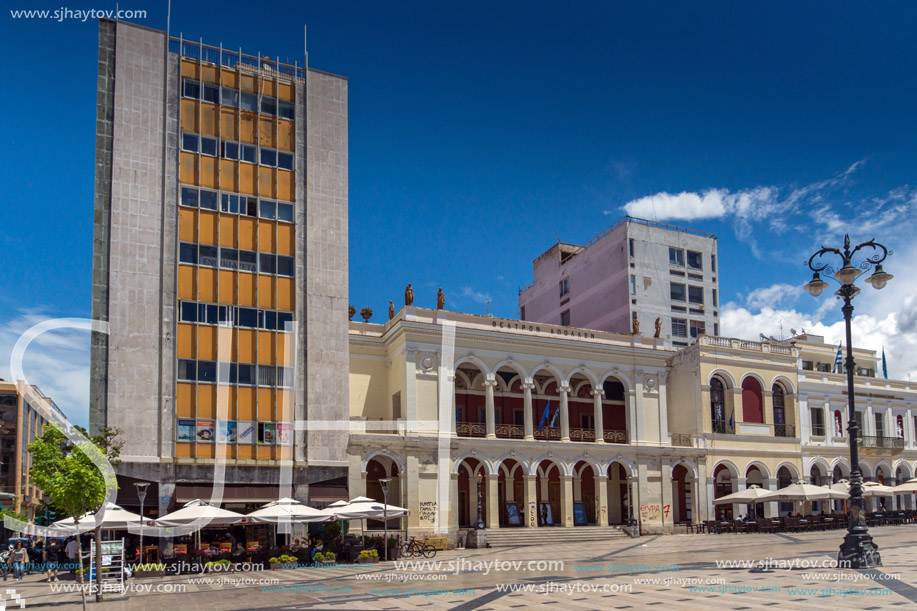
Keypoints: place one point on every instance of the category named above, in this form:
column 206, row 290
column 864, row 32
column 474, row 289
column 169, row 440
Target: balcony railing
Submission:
column 510, row 431
column 786, row 430
column 549, row 433
column 719, row 426
column 470, row 429
column 885, row 443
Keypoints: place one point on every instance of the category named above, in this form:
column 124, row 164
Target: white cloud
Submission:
column 474, row 295
column 771, row 296
column 684, row 205
column 57, row 362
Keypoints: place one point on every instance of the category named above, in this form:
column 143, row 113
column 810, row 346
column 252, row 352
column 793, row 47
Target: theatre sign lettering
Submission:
column 523, row 326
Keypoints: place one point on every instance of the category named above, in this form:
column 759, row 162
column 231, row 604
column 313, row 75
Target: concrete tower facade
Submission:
column 220, row 265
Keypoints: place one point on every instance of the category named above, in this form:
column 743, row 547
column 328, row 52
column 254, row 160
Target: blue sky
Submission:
column 480, row 131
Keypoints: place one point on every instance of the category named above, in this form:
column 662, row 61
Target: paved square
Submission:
column 672, row 572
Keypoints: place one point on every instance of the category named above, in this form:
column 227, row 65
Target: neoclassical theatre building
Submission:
column 552, row 426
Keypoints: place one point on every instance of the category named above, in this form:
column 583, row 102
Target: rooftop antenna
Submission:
column 557, row 236
column 488, row 307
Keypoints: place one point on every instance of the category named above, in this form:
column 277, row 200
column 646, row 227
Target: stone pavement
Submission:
column 677, row 571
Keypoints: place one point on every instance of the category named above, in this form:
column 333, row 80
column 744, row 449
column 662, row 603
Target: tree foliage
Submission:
column 64, row 472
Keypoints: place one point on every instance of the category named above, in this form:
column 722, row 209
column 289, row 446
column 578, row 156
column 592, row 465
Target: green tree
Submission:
column 71, row 481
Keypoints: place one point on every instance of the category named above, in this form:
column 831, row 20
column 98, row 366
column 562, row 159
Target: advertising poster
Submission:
column 245, row 432
column 512, row 515
column 579, row 514
column 186, row 429
column 228, row 431
column 205, row 430
column 285, row 433
column 267, row 433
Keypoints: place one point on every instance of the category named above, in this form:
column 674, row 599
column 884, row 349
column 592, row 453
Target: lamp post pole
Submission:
column 858, row 548
column 384, row 483
column 141, row 494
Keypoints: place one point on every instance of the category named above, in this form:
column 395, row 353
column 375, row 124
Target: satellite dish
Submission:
column 793, row 331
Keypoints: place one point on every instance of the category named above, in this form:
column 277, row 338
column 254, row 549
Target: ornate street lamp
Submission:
column 141, row 494
column 384, row 483
column 480, row 523
column 858, row 547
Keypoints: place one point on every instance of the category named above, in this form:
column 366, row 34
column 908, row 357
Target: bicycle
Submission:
column 414, row 549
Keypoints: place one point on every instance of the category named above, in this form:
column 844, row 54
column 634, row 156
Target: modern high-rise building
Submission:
column 220, row 266
column 636, row 268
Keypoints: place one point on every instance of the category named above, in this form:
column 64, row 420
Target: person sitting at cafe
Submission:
column 317, row 548
column 296, row 545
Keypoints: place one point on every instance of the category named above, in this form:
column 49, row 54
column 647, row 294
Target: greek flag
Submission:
column 544, row 416
column 837, row 360
column 554, row 419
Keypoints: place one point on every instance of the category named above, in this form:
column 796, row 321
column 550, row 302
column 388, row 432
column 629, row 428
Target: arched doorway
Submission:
column 471, row 484
column 547, row 492
column 614, row 412
column 584, row 501
column 784, row 479
column 752, row 403
column 618, row 494
column 818, row 478
column 377, row 469
column 723, row 485
column 511, row 488
column 681, row 492
column 754, row 477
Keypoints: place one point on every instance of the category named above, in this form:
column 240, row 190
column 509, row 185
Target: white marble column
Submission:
column 597, row 395
column 527, row 402
column 489, row 385
column 564, row 413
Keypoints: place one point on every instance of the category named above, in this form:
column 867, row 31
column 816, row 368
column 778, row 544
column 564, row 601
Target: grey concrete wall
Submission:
column 136, row 226
column 98, row 376
column 326, row 267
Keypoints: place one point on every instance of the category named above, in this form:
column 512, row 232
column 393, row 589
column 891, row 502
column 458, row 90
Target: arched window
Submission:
column 752, row 406
column 717, row 406
column 780, row 428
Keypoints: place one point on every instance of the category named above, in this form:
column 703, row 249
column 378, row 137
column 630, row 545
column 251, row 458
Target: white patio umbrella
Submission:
column 877, row 489
column 115, row 517
column 199, row 510
column 803, row 492
column 750, row 495
column 369, row 509
column 292, row 510
column 907, row 487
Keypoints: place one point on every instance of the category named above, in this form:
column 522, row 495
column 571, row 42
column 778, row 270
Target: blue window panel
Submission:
column 285, row 161
column 249, row 101
column 187, row 370
column 206, row 371
column 229, row 258
column 187, row 253
column 246, row 374
column 229, row 203
column 209, row 199
column 230, row 97
column 268, row 209
column 189, row 143
column 286, row 110
column 269, row 105
column 230, row 150
column 268, row 157
column 191, row 89
column 207, row 255
column 248, row 261
column 189, row 197
column 285, row 212
column 248, row 317
column 208, row 146
column 211, row 94
column 283, row 318
column 249, row 153
column 188, row 311
column 285, row 266
column 268, row 263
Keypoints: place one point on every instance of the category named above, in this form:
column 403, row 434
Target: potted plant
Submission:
column 149, row 570
column 219, row 566
column 366, row 313
column 283, row 561
column 351, row 311
column 368, row 556
column 329, row 558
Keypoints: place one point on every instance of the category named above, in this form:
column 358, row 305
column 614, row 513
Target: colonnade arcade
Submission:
column 508, row 403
